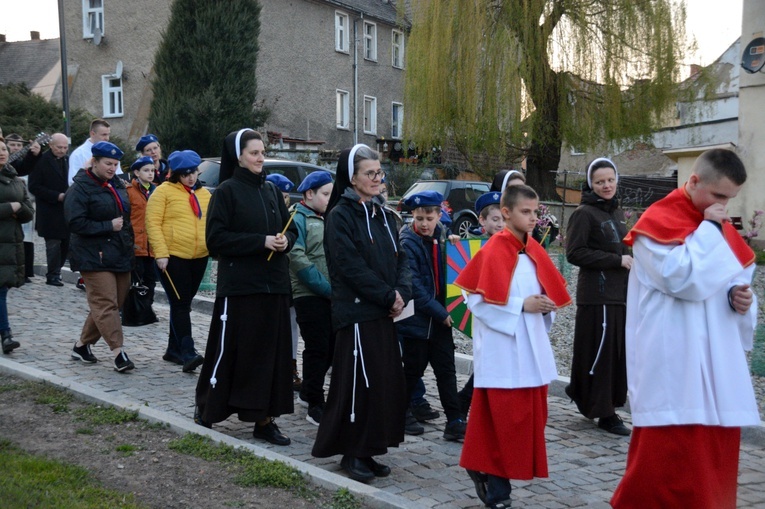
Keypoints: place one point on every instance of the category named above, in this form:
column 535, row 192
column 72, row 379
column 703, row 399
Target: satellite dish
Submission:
column 97, row 36
column 118, row 72
column 754, row 55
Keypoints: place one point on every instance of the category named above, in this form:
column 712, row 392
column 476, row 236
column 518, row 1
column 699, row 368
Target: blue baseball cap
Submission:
column 145, row 140
column 106, row 149
column 315, row 180
column 424, row 199
column 486, row 199
column 141, row 162
column 184, row 161
column 281, row 182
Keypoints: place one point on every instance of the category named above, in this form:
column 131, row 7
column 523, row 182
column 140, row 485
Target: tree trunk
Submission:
column 544, row 152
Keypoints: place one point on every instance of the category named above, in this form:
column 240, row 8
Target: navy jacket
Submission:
column 429, row 311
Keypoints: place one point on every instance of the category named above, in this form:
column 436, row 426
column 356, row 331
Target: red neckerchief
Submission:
column 434, row 256
column 674, row 217
column 194, row 201
column 302, row 202
column 145, row 191
column 108, row 185
column 491, row 270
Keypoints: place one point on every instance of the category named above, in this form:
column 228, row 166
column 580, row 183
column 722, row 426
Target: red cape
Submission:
column 491, row 270
column 674, row 217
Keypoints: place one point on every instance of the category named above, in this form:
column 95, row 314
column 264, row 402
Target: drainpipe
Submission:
column 64, row 72
column 355, row 82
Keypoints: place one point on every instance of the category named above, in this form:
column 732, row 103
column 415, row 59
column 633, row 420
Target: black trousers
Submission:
column 186, row 275
column 55, row 253
column 146, row 270
column 29, row 259
column 314, row 318
column 439, row 352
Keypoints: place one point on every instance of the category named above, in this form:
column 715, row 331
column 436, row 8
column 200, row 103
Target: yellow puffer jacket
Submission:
column 171, row 224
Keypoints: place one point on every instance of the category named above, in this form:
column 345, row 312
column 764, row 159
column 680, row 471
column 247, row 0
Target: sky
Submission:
column 715, row 26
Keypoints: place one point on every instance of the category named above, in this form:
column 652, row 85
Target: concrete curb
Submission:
column 375, row 497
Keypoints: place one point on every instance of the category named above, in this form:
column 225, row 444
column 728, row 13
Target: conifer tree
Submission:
column 204, row 81
column 517, row 78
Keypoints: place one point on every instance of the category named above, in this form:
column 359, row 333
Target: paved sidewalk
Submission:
column 585, row 463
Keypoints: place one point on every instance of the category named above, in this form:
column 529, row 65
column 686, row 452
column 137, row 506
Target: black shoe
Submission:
column 455, row 430
column 80, row 284
column 27, row 280
column 378, row 469
column 83, row 353
column 173, row 357
column 424, row 412
column 193, row 362
column 615, row 425
column 53, row 281
column 9, row 344
column 314, row 415
column 270, row 433
column 357, row 469
column 122, row 363
column 411, row 426
column 480, row 480
column 198, row 419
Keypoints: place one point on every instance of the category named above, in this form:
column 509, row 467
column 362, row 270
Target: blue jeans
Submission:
column 4, row 325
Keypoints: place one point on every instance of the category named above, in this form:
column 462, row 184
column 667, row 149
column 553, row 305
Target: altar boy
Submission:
column 514, row 288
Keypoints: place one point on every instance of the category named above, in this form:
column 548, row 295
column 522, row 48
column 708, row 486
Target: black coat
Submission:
column 365, row 273
column 243, row 211
column 46, row 182
column 594, row 244
column 12, row 189
column 89, row 208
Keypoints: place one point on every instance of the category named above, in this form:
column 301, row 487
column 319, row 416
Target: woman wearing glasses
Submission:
column 364, row 413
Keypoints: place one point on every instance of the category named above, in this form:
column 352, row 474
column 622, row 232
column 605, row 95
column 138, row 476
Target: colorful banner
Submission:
column 457, row 256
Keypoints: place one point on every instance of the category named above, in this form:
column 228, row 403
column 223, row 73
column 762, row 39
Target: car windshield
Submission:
column 434, row 185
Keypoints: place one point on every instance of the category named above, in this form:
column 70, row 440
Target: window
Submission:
column 112, row 95
column 370, row 115
column 397, row 49
column 397, row 121
column 92, row 17
column 343, row 109
column 341, row 32
column 370, row 41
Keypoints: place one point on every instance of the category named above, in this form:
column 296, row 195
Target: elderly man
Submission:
column 48, row 182
column 100, row 130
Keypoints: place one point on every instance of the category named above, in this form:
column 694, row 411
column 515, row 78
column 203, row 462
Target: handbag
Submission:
column 136, row 310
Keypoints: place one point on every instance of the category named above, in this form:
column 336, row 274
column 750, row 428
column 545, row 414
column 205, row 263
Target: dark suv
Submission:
column 209, row 172
column 459, row 197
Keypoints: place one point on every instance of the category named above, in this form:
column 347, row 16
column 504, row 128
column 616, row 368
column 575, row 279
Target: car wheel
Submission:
column 462, row 225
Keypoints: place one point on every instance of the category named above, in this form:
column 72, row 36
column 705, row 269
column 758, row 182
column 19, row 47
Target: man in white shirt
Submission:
column 99, row 131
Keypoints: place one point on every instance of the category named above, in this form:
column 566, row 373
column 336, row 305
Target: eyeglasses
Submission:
column 374, row 175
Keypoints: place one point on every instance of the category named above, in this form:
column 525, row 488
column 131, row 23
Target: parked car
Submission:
column 459, row 197
column 209, row 173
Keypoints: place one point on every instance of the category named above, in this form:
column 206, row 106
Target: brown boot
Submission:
column 297, row 383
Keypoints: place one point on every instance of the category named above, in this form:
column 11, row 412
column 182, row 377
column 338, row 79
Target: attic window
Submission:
column 92, row 18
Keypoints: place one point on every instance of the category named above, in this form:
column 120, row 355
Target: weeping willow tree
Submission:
column 517, row 78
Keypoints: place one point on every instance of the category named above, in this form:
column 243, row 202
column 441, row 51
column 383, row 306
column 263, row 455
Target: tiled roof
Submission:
column 383, row 10
column 27, row 61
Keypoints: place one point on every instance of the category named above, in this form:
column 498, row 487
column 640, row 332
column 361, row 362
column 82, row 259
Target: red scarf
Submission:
column 491, row 270
column 674, row 217
column 194, row 201
column 108, row 185
column 434, row 256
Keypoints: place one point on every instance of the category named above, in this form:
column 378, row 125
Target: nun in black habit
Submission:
column 364, row 413
column 248, row 360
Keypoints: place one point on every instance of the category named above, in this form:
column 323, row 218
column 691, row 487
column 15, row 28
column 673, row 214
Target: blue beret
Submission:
column 184, row 161
column 315, row 180
column 141, row 162
column 145, row 140
column 281, row 182
column 446, row 219
column 106, row 149
column 424, row 199
column 486, row 199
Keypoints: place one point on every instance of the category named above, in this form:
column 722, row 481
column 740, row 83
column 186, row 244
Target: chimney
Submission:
column 35, row 36
column 2, row 37
column 695, row 69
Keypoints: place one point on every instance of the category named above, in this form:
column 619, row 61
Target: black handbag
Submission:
column 136, row 310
